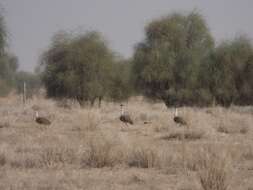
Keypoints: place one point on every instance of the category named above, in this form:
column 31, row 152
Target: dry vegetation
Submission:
column 91, row 149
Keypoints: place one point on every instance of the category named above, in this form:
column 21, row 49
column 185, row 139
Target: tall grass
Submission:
column 101, row 152
column 213, row 169
column 143, row 157
column 75, row 151
column 57, row 156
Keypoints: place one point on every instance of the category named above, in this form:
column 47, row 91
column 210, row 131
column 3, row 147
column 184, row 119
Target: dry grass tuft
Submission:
column 92, row 121
column 64, row 103
column 4, row 125
column 143, row 117
column 248, row 153
column 135, row 179
column 223, row 129
column 233, row 130
column 87, row 120
column 2, row 159
column 56, row 156
column 213, row 171
column 100, row 152
column 244, row 130
column 235, row 124
column 36, row 107
column 143, row 157
column 190, row 135
column 25, row 162
column 158, row 128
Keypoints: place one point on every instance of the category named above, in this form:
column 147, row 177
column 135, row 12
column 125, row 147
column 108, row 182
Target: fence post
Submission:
column 24, row 93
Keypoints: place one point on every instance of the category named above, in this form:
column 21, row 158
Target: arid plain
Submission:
column 90, row 148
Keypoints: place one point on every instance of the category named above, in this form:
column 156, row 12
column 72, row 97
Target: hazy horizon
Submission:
column 32, row 23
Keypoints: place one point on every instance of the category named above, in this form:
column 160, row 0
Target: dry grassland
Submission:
column 91, row 149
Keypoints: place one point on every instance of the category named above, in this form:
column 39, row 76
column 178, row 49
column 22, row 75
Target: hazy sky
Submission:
column 32, row 23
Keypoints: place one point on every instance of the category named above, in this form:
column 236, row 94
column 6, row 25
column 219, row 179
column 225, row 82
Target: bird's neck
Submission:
column 36, row 114
column 122, row 111
column 176, row 112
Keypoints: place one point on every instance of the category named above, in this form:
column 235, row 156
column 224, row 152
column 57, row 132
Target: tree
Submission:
column 121, row 84
column 166, row 64
column 8, row 62
column 3, row 34
column 229, row 73
column 78, row 67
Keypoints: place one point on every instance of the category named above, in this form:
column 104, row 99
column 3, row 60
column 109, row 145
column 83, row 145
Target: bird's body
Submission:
column 125, row 118
column 42, row 120
column 179, row 120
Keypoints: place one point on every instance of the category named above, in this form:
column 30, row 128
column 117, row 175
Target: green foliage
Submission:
column 32, row 81
column 229, row 73
column 166, row 64
column 4, row 88
column 81, row 67
column 178, row 63
column 8, row 62
column 8, row 68
column 2, row 34
column 121, row 87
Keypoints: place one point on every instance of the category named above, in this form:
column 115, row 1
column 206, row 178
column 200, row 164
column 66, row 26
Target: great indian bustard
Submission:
column 124, row 117
column 41, row 120
column 179, row 120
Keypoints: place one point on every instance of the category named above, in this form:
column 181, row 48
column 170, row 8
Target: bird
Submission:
column 41, row 120
column 179, row 120
column 125, row 118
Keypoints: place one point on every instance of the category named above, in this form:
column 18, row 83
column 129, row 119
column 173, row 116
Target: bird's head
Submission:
column 122, row 109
